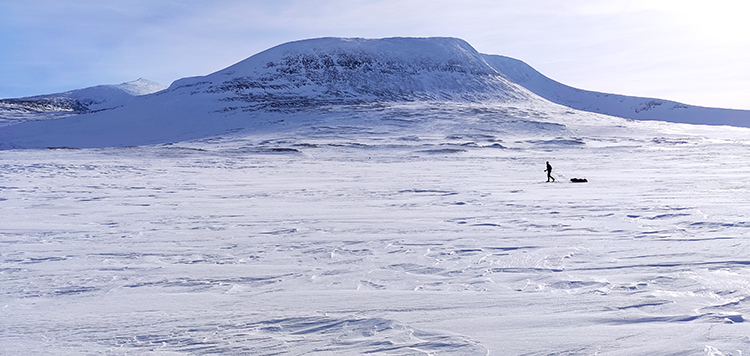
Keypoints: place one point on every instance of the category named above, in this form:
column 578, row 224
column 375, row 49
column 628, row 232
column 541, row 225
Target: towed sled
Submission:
column 579, row 180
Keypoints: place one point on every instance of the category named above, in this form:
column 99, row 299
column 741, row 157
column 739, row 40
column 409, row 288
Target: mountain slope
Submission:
column 74, row 102
column 630, row 107
column 296, row 82
column 291, row 78
column 335, row 70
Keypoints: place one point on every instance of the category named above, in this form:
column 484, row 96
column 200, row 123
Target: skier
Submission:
column 549, row 172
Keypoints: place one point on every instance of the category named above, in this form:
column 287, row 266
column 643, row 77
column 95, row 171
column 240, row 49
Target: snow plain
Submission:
column 401, row 229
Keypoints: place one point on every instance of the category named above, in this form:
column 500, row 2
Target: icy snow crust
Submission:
column 410, row 229
column 386, row 220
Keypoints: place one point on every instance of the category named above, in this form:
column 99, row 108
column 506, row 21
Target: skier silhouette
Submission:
column 549, row 172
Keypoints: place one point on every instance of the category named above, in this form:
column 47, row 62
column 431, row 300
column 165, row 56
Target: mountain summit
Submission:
column 335, row 70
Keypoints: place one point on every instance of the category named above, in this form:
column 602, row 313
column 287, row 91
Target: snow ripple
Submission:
column 302, row 336
column 361, row 243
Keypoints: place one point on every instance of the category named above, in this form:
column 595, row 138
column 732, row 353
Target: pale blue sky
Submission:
column 696, row 52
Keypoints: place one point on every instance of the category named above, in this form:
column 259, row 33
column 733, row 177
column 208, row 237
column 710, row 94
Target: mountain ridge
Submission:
column 74, row 102
column 307, row 77
column 630, row 107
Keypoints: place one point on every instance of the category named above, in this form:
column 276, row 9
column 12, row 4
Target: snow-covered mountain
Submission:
column 74, row 102
column 355, row 70
column 279, row 86
column 378, row 197
column 612, row 104
column 293, row 77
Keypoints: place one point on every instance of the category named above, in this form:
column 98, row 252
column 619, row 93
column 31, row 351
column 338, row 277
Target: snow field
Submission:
column 379, row 237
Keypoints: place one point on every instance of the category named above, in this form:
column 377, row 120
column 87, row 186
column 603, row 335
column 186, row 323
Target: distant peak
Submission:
column 140, row 86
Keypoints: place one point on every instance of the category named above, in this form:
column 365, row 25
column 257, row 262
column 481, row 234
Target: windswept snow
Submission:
column 380, row 197
column 406, row 229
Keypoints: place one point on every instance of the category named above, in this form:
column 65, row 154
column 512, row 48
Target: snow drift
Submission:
column 406, row 217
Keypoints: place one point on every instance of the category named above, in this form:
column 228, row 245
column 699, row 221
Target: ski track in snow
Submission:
column 376, row 239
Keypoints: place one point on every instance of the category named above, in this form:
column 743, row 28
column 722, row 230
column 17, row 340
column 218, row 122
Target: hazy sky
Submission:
column 695, row 52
